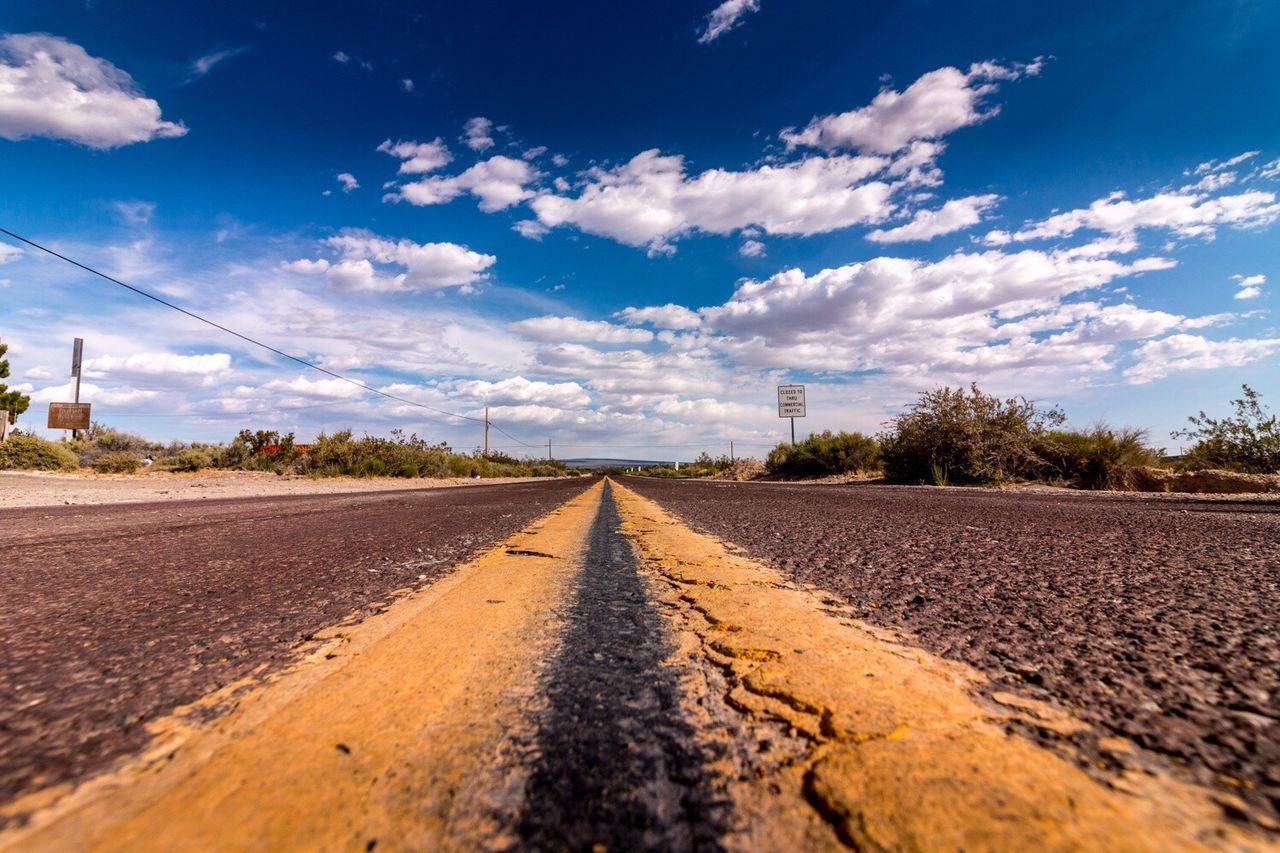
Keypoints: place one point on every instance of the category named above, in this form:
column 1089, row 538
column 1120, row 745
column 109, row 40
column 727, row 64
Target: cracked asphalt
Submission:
column 1150, row 618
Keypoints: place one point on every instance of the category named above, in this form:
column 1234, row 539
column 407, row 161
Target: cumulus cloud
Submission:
column 751, row 249
column 650, row 201
column 1157, row 359
column 478, row 133
column 953, row 216
column 1186, row 214
column 725, row 17
column 315, row 389
column 518, row 390
column 1250, row 286
column 574, row 329
column 669, row 316
column 498, row 182
column 418, row 157
column 368, row 262
column 9, row 253
column 158, row 366
column 938, row 103
column 348, row 182
column 53, row 88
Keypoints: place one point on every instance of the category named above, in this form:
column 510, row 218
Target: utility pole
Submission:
column 548, row 450
column 77, row 354
column 731, row 459
column 486, row 430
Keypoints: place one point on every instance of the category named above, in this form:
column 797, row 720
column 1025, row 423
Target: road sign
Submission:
column 69, row 415
column 791, row 401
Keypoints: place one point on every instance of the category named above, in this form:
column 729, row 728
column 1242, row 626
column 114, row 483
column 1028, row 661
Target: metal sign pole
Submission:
column 793, row 430
column 77, row 353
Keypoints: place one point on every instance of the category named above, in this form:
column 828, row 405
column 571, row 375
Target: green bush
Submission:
column 117, row 462
column 1101, row 458
column 30, row 453
column 1248, row 442
column 958, row 436
column 825, row 454
column 187, row 459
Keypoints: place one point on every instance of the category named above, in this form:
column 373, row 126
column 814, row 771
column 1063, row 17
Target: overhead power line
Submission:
column 258, row 343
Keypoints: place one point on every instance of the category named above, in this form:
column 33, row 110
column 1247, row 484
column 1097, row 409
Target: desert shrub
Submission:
column 31, row 453
column 186, row 459
column 117, row 462
column 1099, row 458
column 824, row 454
column 98, row 441
column 958, row 436
column 1248, row 441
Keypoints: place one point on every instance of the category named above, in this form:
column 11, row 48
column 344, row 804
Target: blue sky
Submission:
column 619, row 227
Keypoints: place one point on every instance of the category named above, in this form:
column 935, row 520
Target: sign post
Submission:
column 791, row 405
column 77, row 354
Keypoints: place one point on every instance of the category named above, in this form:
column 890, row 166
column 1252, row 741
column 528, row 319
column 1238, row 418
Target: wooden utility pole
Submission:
column 486, row 430
column 731, row 459
column 548, row 450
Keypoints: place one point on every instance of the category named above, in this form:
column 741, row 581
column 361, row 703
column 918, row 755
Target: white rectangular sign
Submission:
column 791, row 401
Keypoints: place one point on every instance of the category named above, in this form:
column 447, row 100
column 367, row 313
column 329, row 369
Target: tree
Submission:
column 953, row 436
column 1248, row 442
column 15, row 402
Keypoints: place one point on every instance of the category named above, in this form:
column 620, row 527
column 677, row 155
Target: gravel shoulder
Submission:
column 1151, row 618
column 39, row 488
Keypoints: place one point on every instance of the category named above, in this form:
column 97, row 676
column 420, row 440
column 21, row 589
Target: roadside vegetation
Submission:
column 342, row 454
column 948, row 436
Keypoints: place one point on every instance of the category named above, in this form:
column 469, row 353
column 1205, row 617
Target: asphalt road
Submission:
column 1152, row 618
column 113, row 615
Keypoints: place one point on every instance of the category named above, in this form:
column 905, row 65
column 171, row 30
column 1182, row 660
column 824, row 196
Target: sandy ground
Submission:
column 30, row 488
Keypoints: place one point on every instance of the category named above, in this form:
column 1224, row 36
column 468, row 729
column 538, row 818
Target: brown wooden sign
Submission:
column 68, row 416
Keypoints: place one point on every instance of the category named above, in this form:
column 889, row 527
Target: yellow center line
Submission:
column 393, row 736
column 903, row 756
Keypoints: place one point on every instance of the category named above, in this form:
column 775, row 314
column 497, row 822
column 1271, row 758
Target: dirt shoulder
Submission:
column 38, row 488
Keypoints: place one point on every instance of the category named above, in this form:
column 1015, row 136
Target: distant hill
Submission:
column 616, row 463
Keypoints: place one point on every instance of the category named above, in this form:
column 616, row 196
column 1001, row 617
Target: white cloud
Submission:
column 574, row 329
column 649, row 201
column 498, row 182
column 725, row 17
column 1250, row 286
column 953, row 216
column 752, row 249
column 418, row 157
column 1185, row 214
column 425, row 266
column 406, row 84
column 1215, row 166
column 158, row 365
column 535, row 152
column 348, row 182
column 669, row 316
column 315, row 389
column 92, row 393
column 204, row 64
column 530, row 229
column 342, row 56
column 479, row 133
column 1158, row 359
column 936, row 104
column 51, row 87
column 518, row 389
column 9, row 253
column 134, row 212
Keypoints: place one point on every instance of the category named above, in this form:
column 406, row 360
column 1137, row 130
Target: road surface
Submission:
column 573, row 665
